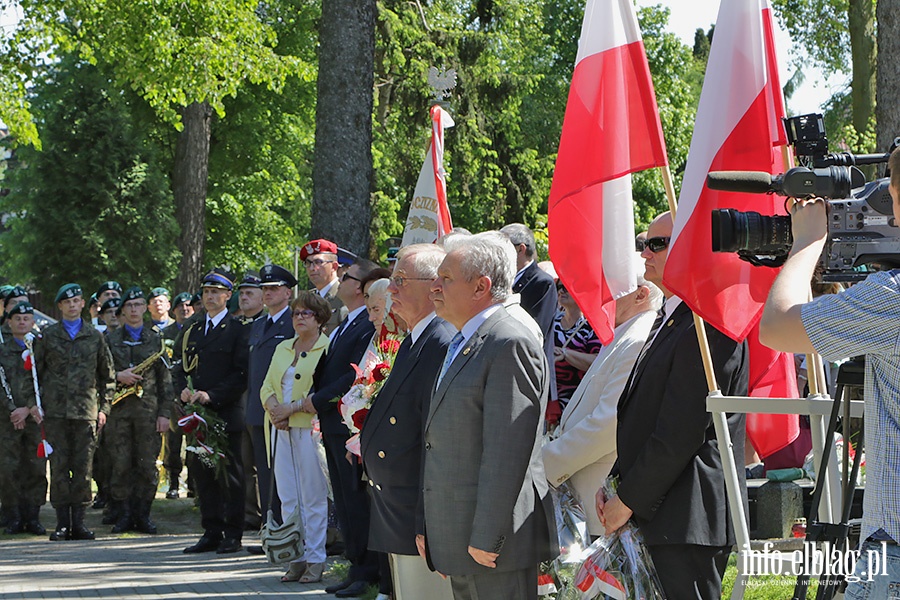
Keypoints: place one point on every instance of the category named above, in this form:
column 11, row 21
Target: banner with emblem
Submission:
column 429, row 213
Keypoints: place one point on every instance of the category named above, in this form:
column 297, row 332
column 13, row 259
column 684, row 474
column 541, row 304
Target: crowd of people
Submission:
column 499, row 389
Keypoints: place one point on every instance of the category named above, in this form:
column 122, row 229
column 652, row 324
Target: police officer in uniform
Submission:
column 137, row 418
column 213, row 353
column 23, row 473
column 77, row 381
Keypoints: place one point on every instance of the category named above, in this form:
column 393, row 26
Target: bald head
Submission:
column 658, row 235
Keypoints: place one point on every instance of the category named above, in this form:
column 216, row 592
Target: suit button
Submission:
column 372, row 483
column 381, row 454
column 393, row 420
column 378, row 487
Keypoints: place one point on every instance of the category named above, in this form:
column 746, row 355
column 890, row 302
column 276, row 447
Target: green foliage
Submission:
column 820, row 31
column 94, row 204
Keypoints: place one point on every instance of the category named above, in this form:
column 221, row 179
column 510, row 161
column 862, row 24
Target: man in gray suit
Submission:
column 487, row 512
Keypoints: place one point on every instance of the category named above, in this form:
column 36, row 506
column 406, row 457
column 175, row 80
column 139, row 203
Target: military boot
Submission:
column 142, row 520
column 172, row 494
column 15, row 524
column 123, row 516
column 63, row 524
column 32, row 518
column 111, row 512
column 79, row 531
column 4, row 514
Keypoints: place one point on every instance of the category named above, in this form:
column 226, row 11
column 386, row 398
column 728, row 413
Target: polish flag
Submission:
column 611, row 129
column 429, row 213
column 738, row 128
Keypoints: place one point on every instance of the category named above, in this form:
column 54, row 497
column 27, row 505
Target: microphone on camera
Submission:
column 753, row 182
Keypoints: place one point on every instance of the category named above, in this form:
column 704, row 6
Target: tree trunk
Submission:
column 342, row 171
column 887, row 111
column 861, row 18
column 189, row 180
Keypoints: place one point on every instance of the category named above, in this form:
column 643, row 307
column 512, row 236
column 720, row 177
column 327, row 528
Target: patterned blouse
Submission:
column 581, row 338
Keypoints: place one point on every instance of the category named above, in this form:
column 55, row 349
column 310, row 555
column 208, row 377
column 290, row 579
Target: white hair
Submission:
column 489, row 254
column 425, row 258
column 379, row 288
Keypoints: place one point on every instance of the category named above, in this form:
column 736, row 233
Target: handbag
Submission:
column 282, row 543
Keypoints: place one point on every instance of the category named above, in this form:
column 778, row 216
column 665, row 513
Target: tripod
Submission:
column 850, row 376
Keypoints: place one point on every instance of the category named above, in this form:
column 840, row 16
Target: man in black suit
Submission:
column 671, row 480
column 391, row 439
column 332, row 379
column 537, row 290
column 213, row 353
column 266, row 333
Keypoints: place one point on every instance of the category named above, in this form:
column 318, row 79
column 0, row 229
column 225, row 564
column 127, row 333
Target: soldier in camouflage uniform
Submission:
column 137, row 420
column 22, row 473
column 172, row 461
column 77, row 382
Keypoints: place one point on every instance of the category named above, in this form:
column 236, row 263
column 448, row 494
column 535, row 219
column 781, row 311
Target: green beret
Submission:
column 69, row 290
column 132, row 293
column 109, row 286
column 22, row 308
column 16, row 292
column 4, row 291
column 111, row 303
column 159, row 291
column 182, row 298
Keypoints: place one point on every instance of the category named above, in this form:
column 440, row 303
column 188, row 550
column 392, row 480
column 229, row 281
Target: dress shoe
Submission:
column 340, row 585
column 354, row 590
column 229, row 546
column 207, row 543
column 255, row 550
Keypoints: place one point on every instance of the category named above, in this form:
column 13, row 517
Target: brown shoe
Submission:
column 313, row 573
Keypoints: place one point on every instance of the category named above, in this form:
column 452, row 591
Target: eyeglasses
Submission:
column 561, row 290
column 657, row 244
column 304, row 313
column 349, row 276
column 309, row 263
column 400, row 280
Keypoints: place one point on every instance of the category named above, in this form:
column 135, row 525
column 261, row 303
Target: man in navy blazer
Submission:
column 671, row 480
column 333, row 377
column 391, row 438
column 265, row 334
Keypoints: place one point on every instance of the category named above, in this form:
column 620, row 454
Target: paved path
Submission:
column 140, row 567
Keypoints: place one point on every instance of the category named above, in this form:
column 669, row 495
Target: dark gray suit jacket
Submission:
column 669, row 463
column 484, row 484
column 391, row 439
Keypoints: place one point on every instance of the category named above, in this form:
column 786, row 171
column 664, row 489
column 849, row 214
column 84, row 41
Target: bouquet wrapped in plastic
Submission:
column 615, row 566
column 571, row 531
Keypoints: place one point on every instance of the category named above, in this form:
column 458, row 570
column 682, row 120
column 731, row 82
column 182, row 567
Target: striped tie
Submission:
column 451, row 351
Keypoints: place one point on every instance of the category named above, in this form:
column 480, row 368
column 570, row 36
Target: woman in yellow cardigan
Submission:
column 298, row 474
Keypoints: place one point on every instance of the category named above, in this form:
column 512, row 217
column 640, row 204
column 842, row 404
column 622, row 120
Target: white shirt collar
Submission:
column 419, row 328
column 277, row 315
column 522, row 270
column 217, row 319
column 324, row 291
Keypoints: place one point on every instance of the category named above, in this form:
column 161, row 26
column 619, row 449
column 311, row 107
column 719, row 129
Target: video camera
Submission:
column 861, row 230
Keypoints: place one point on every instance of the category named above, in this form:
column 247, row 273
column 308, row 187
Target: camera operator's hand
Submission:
column 809, row 223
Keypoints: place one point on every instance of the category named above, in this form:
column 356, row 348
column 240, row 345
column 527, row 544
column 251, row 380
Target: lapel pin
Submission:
column 669, row 324
column 466, row 351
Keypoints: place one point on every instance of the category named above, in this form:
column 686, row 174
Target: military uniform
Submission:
column 77, row 380
column 172, row 460
column 131, row 429
column 23, row 475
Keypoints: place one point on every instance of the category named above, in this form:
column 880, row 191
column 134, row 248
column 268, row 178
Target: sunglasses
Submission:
column 657, row 244
column 304, row 313
column 349, row 276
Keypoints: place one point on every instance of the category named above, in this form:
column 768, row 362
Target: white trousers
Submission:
column 301, row 483
column 413, row 580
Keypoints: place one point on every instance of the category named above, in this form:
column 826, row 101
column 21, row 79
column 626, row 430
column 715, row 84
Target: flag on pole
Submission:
column 738, row 128
column 429, row 213
column 611, row 129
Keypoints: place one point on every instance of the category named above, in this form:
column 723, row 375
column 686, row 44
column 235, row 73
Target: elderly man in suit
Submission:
column 670, row 471
column 391, row 439
column 487, row 511
column 213, row 353
column 320, row 257
column 266, row 333
column 584, row 449
column 332, row 379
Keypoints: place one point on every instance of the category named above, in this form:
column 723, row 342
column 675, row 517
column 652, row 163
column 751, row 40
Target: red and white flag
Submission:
column 738, row 128
column 429, row 213
column 611, row 129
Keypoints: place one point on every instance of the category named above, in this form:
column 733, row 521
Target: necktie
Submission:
column 338, row 333
column 209, row 326
column 660, row 317
column 451, row 351
column 269, row 322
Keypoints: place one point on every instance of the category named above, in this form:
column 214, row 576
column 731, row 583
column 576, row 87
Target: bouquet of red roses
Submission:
column 204, row 432
column 355, row 404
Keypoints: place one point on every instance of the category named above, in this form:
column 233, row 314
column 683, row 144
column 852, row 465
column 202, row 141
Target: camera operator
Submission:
column 862, row 320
